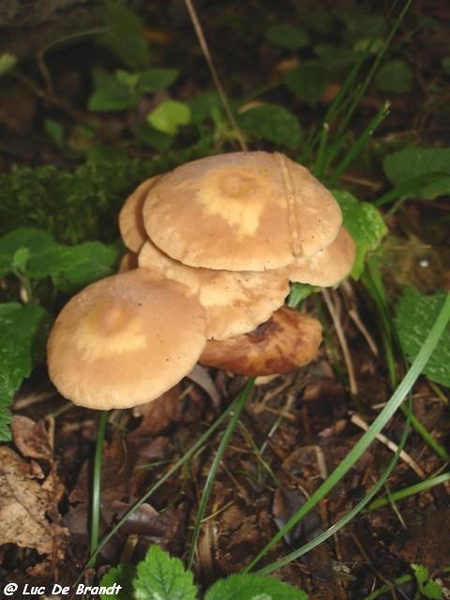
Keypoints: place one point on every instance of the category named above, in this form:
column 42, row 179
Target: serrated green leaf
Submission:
column 152, row 80
column 287, row 36
column 160, row 577
column 395, row 76
column 19, row 327
column 112, row 92
column 252, row 587
column 415, row 163
column 169, row 116
column 415, row 316
column 273, row 123
column 308, row 81
column 421, row 572
column 365, row 225
column 122, row 575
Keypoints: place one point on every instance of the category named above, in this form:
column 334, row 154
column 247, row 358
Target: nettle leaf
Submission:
column 156, row 79
column 428, row 167
column 19, row 330
column 273, row 123
column 169, row 116
column 18, row 247
column 252, row 587
column 287, row 36
column 395, row 76
column 113, row 92
column 160, row 577
column 365, row 225
column 415, row 316
column 308, row 81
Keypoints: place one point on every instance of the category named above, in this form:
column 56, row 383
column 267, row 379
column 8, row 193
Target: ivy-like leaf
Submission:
column 395, row 76
column 32, row 242
column 152, row 80
column 273, row 123
column 252, row 587
column 160, row 577
column 365, row 225
column 19, row 328
column 308, row 81
column 415, row 316
column 430, row 167
column 113, row 92
column 287, row 36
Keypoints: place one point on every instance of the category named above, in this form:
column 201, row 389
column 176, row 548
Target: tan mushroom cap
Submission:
column 287, row 341
column 125, row 340
column 235, row 302
column 328, row 266
column 131, row 223
column 243, row 211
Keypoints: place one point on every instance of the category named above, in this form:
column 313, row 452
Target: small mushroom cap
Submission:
column 328, row 266
column 235, row 302
column 286, row 341
column 131, row 224
column 125, row 340
column 243, row 211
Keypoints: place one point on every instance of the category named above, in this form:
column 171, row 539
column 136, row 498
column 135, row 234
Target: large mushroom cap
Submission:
column 131, row 224
column 244, row 211
column 328, row 266
column 125, row 340
column 235, row 302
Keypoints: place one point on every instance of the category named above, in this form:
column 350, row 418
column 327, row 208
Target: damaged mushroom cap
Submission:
column 286, row 341
column 328, row 266
column 125, row 340
column 131, row 223
column 235, row 302
column 243, row 211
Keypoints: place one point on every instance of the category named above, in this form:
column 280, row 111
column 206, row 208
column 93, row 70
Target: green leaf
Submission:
column 18, row 247
column 125, row 34
column 80, row 265
column 7, row 62
column 252, row 587
column 169, row 116
column 308, row 81
column 54, row 130
column 335, row 57
column 395, row 77
column 365, row 225
column 287, row 36
column 156, row 79
column 429, row 166
column 112, row 92
column 19, row 329
column 122, row 575
column 273, row 123
column 160, row 577
column 415, row 315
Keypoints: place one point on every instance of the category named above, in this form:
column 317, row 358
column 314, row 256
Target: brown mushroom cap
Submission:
column 286, row 341
column 125, row 340
column 131, row 224
column 244, row 211
column 328, row 266
column 235, row 302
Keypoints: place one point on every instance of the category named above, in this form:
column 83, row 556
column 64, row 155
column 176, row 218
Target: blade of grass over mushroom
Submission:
column 96, row 485
column 207, row 488
column 199, row 446
column 382, row 419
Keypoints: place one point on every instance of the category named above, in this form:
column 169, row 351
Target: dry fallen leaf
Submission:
column 28, row 510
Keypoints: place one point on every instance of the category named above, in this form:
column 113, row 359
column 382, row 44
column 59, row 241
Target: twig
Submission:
column 206, row 53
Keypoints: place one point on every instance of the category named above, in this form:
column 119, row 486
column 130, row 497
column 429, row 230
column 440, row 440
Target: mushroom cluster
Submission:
column 212, row 245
